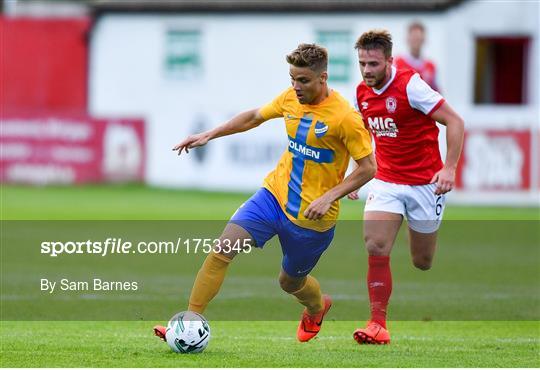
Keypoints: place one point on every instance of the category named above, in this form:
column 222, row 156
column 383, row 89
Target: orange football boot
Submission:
column 374, row 333
column 310, row 325
column 159, row 331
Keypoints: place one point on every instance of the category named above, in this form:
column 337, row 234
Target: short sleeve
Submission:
column 355, row 136
column 355, row 103
column 423, row 97
column 274, row 109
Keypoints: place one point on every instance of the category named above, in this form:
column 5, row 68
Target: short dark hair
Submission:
column 313, row 56
column 375, row 39
column 416, row 25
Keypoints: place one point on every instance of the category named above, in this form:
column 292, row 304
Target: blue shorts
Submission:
column 262, row 217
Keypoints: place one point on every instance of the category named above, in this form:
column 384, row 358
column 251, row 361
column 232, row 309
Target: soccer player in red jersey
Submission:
column 414, row 60
column 400, row 110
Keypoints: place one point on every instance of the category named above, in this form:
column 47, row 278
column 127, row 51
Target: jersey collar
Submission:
column 383, row 89
column 324, row 101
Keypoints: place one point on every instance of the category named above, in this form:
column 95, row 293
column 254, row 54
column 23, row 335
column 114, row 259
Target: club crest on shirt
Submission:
column 391, row 104
column 364, row 105
column 320, row 129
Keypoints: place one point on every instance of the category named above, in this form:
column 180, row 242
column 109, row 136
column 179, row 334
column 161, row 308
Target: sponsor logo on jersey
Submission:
column 319, row 155
column 320, row 129
column 391, row 104
column 383, row 126
column 290, row 116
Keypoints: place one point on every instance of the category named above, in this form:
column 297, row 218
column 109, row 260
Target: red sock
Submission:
column 379, row 281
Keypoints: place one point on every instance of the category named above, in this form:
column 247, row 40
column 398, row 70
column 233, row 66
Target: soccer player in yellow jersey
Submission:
column 299, row 198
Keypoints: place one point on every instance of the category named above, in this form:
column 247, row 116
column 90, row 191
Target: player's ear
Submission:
column 324, row 76
column 391, row 60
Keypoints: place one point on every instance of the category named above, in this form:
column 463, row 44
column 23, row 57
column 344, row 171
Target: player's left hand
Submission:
column 318, row 208
column 445, row 180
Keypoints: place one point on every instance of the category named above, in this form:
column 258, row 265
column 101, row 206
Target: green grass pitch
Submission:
column 263, row 344
column 478, row 307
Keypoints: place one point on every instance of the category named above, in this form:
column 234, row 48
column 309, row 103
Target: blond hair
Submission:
column 313, row 56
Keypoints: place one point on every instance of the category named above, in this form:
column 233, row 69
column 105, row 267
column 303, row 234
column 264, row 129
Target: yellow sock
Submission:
column 208, row 281
column 310, row 295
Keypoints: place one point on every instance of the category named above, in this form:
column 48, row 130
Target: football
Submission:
column 187, row 332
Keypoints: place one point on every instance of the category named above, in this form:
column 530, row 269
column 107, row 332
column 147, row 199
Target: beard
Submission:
column 374, row 80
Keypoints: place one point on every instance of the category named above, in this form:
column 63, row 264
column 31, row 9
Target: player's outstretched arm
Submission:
column 353, row 195
column 241, row 122
column 455, row 128
column 365, row 170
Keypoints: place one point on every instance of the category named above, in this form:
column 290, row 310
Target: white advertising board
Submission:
column 187, row 73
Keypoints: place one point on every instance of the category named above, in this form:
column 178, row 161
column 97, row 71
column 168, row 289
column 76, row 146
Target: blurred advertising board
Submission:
column 495, row 160
column 44, row 64
column 46, row 149
column 171, row 70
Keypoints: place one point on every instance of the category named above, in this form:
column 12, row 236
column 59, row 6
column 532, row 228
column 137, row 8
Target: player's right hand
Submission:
column 353, row 195
column 445, row 180
column 192, row 141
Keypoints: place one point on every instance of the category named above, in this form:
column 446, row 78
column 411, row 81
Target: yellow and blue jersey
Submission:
column 321, row 139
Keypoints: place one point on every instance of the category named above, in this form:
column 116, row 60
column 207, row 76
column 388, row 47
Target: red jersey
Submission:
column 425, row 68
column 406, row 137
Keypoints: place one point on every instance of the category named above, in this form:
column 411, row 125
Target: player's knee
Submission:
column 227, row 254
column 290, row 285
column 376, row 247
column 422, row 263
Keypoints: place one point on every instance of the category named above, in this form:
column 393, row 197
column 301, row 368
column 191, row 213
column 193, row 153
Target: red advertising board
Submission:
column 44, row 64
column 48, row 149
column 495, row 160
column 536, row 157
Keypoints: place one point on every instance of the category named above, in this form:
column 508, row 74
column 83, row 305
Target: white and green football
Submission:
column 188, row 332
